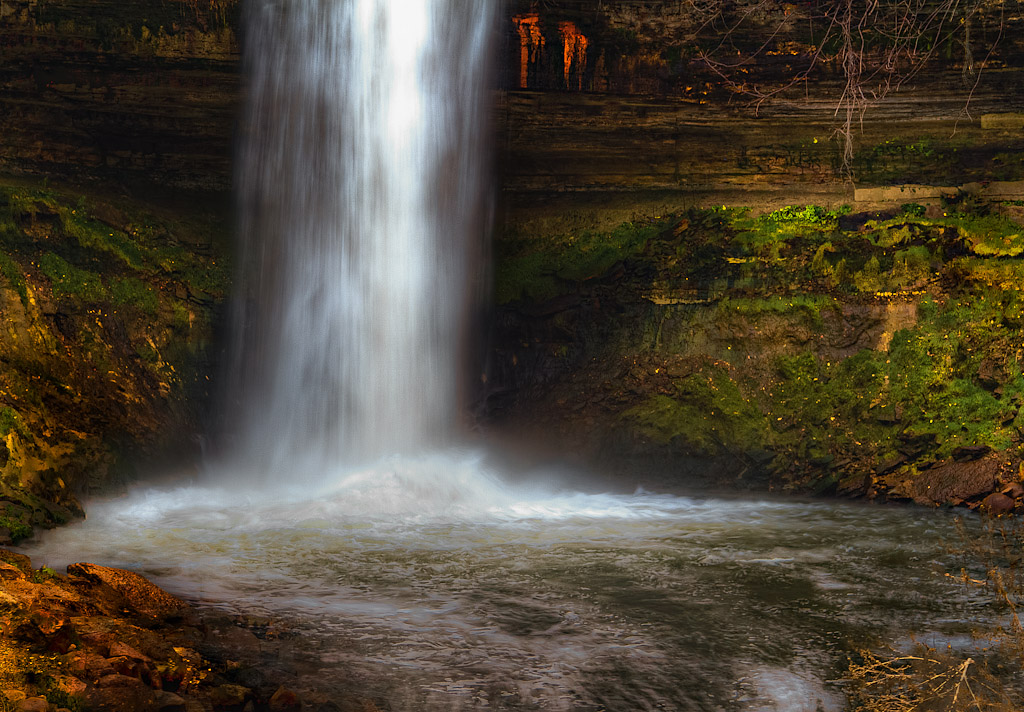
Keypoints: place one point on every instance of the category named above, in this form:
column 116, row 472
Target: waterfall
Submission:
column 362, row 200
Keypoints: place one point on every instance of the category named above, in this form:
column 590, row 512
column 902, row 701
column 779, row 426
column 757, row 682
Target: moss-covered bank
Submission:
column 107, row 313
column 817, row 349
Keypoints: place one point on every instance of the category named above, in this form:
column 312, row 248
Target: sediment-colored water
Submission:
column 434, row 585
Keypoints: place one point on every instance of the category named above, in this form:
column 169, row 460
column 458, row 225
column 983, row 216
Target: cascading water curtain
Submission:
column 362, row 190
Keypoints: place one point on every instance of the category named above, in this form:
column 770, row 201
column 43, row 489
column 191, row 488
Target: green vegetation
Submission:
column 708, row 411
column 19, row 530
column 12, row 273
column 10, row 422
column 115, row 315
column 133, row 292
column 538, row 270
column 70, row 281
column 832, row 338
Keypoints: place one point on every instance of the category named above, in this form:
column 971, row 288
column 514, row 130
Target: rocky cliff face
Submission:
column 729, row 100
column 143, row 91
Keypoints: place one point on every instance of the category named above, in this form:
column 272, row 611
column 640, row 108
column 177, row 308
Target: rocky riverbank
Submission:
column 107, row 639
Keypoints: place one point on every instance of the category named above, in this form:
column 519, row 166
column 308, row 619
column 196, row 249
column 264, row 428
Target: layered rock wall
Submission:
column 134, row 91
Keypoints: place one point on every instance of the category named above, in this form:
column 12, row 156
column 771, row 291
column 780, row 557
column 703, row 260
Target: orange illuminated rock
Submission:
column 531, row 44
column 574, row 55
column 138, row 594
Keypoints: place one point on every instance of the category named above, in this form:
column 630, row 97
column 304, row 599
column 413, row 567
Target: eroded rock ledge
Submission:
column 101, row 638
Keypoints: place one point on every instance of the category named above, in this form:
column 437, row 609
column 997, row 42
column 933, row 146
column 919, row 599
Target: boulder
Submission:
column 955, row 482
column 284, row 700
column 997, row 503
column 137, row 593
column 230, row 696
column 20, row 561
column 32, row 704
column 168, row 702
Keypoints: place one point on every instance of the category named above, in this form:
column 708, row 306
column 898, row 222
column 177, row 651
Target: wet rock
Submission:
column 284, row 700
column 137, row 593
column 955, row 482
column 854, row 485
column 243, row 643
column 250, row 677
column 198, row 704
column 997, row 504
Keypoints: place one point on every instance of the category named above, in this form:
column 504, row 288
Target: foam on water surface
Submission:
column 515, row 597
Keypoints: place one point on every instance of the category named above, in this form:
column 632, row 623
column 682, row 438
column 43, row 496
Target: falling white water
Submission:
column 362, row 192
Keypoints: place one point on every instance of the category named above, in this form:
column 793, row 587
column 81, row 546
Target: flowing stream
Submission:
column 434, row 586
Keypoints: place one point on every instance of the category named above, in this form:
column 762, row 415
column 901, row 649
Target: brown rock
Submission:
column 139, row 594
column 997, row 503
column 284, row 700
column 127, row 666
column 69, row 684
column 168, row 702
column 10, row 572
column 117, row 680
column 233, row 696
column 955, row 482
column 18, row 560
column 119, row 649
column 14, row 695
column 32, row 704
column 88, row 665
column 1014, row 490
column 9, row 603
column 48, row 622
column 121, row 697
column 970, row 452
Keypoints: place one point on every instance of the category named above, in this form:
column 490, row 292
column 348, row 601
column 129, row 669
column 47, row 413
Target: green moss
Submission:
column 132, row 292
column 11, row 421
column 68, row 280
column 19, row 529
column 708, row 414
column 819, row 407
column 180, row 318
column 539, row 270
column 95, row 235
column 797, row 305
column 869, row 279
column 12, row 273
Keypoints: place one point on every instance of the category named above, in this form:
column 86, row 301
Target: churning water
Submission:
column 436, row 587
